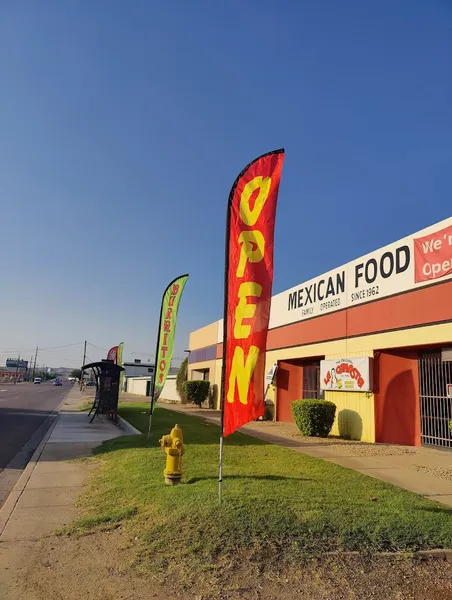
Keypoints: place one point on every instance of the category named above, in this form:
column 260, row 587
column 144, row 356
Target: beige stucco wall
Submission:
column 137, row 385
column 169, row 391
column 206, row 336
column 200, row 366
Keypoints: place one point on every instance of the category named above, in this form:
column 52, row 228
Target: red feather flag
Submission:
column 248, row 289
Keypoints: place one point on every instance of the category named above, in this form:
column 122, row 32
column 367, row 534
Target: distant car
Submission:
column 57, row 382
column 91, row 383
column 37, row 380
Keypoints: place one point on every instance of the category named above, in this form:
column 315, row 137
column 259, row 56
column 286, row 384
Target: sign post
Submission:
column 269, row 378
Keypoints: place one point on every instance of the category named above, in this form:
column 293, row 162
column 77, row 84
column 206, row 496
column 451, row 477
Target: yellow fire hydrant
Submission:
column 173, row 445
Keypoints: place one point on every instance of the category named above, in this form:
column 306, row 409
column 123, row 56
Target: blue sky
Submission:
column 123, row 126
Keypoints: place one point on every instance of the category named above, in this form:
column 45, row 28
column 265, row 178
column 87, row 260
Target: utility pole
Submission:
column 29, row 367
column 34, row 366
column 81, row 374
column 17, row 369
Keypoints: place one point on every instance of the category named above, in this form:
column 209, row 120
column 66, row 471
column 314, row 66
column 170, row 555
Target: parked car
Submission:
column 37, row 380
column 91, row 383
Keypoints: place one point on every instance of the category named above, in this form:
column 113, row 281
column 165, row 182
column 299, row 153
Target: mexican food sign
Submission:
column 418, row 260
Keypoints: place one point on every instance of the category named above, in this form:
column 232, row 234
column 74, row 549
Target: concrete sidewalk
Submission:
column 425, row 471
column 43, row 498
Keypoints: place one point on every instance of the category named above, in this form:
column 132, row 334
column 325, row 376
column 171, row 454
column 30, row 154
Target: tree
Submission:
column 181, row 379
column 77, row 373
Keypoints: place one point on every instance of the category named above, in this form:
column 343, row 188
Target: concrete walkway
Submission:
column 425, row 471
column 43, row 498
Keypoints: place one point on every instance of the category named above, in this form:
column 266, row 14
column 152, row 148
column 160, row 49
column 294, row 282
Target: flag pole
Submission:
column 225, row 333
column 155, row 363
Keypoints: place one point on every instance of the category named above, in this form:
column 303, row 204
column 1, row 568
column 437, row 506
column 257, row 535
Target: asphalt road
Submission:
column 26, row 412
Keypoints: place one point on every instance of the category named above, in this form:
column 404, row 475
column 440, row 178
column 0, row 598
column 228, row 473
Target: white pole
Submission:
column 220, row 474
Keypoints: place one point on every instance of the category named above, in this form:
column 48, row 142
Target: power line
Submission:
column 16, row 351
column 65, row 346
column 98, row 347
column 31, row 348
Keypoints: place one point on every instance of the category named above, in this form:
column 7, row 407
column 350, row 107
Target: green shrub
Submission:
column 314, row 417
column 181, row 378
column 196, row 391
column 450, row 426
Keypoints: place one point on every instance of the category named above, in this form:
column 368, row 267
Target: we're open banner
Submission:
column 433, row 255
column 248, row 288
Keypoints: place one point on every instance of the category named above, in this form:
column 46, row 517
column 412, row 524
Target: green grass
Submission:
column 278, row 504
column 86, row 404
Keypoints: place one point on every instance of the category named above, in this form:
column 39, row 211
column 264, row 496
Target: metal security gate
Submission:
column 435, row 387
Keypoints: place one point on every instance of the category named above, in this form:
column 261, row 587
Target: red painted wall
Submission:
column 289, row 382
column 397, row 411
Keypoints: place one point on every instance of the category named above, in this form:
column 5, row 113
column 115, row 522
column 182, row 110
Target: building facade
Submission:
column 138, row 369
column 374, row 336
column 10, row 374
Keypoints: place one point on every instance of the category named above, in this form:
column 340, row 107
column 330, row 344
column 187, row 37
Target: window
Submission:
column 150, row 370
column 311, row 380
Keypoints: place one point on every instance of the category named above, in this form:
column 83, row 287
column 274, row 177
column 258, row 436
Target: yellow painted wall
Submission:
column 206, row 336
column 354, row 415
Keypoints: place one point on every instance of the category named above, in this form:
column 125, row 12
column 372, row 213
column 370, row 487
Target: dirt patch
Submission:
column 91, row 568
column 102, row 567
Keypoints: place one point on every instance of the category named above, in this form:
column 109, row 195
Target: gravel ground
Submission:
column 346, row 447
column 441, row 472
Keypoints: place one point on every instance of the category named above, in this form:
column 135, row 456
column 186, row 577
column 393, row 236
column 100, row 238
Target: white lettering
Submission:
column 431, row 245
column 437, row 269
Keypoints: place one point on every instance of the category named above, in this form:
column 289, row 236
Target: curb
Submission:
column 10, row 503
column 435, row 553
column 127, row 427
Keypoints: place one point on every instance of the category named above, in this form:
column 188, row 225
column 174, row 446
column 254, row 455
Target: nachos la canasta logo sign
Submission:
column 347, row 374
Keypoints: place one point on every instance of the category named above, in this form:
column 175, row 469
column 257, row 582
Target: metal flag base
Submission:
column 150, row 425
